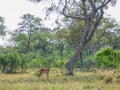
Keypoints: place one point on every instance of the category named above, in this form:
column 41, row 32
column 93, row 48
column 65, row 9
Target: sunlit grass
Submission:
column 57, row 81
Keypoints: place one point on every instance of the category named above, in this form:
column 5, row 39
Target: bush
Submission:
column 107, row 57
column 34, row 63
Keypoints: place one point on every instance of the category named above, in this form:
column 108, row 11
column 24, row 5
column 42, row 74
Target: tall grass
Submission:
column 57, row 81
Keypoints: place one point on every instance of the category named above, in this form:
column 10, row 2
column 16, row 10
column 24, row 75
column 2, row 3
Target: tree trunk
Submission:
column 28, row 52
column 81, row 60
column 70, row 64
column 4, row 68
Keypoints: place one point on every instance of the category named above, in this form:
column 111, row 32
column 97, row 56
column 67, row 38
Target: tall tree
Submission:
column 24, row 33
column 88, row 11
column 41, row 40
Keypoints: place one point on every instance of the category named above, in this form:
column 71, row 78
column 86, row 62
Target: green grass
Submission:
column 57, row 81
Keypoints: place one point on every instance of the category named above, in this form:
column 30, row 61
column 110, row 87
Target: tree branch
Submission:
column 92, row 4
column 68, row 15
column 95, row 26
column 105, row 2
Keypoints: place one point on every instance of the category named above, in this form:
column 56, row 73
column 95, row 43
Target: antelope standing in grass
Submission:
column 45, row 71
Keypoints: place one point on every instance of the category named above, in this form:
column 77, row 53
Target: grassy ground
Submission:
column 59, row 81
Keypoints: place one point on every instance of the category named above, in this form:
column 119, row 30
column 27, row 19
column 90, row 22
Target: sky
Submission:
column 12, row 10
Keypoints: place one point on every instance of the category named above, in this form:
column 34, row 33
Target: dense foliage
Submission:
column 107, row 57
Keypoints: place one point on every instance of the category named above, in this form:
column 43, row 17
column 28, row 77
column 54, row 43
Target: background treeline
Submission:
column 32, row 45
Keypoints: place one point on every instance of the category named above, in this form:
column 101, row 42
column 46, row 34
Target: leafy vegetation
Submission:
column 57, row 47
column 107, row 58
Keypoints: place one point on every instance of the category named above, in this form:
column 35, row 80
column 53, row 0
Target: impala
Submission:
column 45, row 71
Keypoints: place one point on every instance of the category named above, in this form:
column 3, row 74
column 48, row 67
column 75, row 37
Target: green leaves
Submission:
column 107, row 57
column 29, row 24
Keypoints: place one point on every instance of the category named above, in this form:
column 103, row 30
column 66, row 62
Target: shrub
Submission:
column 34, row 63
column 107, row 57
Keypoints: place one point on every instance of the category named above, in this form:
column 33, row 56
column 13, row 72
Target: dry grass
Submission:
column 58, row 81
